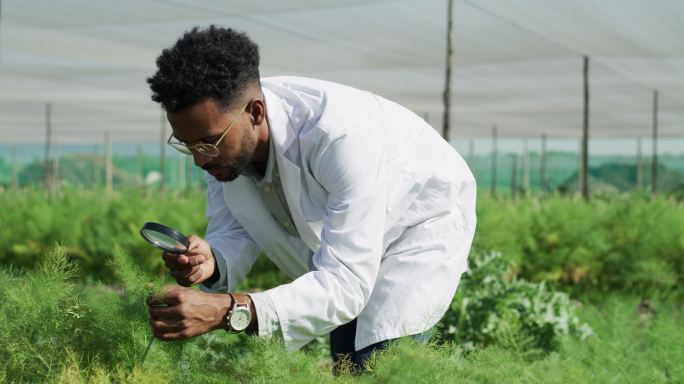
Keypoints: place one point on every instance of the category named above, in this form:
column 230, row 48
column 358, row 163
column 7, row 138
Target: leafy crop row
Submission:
column 89, row 224
column 629, row 243
column 55, row 330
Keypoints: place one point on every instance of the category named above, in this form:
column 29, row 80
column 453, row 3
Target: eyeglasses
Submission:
column 204, row 149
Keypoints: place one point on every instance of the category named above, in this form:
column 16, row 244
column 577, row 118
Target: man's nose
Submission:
column 200, row 159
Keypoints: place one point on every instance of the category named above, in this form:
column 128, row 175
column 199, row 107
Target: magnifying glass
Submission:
column 165, row 238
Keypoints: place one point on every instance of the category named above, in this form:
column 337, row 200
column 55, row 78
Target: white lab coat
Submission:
column 385, row 209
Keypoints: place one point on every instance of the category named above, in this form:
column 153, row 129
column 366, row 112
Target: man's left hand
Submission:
column 181, row 313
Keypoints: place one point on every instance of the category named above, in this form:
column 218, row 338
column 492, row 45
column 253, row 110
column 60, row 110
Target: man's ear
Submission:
column 258, row 111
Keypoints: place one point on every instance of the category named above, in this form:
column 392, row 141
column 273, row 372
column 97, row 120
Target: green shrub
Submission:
column 54, row 330
column 90, row 224
column 492, row 307
column 631, row 243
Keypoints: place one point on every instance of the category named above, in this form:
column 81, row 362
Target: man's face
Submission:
column 205, row 122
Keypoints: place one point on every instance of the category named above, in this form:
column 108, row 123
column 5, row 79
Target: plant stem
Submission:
column 149, row 345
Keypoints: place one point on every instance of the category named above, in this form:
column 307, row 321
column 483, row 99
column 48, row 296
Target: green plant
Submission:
column 492, row 307
column 55, row 330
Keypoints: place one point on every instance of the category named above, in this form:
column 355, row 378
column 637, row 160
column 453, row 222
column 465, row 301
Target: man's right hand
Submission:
column 192, row 267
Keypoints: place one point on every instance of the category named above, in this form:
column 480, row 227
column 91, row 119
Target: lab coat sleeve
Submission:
column 235, row 251
column 346, row 161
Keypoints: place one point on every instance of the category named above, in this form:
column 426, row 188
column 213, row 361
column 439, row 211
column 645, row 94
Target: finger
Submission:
column 174, row 261
column 184, row 272
column 195, row 259
column 167, row 329
column 195, row 276
column 164, row 313
column 169, row 336
column 155, row 300
column 167, row 297
column 183, row 277
column 195, row 242
column 165, row 325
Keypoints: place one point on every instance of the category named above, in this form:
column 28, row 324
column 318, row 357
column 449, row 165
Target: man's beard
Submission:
column 230, row 171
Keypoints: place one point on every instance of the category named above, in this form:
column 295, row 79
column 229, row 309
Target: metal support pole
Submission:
column 585, row 134
column 446, row 121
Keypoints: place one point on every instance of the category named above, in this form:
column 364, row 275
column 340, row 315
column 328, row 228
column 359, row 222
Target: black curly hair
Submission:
column 218, row 63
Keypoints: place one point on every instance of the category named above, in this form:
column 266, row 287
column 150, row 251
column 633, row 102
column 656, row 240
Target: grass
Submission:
column 55, row 330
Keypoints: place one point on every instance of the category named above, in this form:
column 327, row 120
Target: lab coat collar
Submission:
column 282, row 120
column 280, row 127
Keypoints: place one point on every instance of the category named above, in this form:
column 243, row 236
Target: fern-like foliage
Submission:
column 494, row 307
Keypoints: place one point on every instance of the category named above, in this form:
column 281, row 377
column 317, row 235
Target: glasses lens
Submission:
column 181, row 148
column 206, row 150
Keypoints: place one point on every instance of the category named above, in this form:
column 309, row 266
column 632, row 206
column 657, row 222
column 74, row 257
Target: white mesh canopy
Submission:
column 518, row 64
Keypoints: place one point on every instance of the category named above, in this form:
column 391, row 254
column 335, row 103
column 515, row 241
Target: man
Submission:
column 357, row 199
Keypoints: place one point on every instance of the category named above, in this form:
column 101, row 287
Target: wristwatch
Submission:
column 239, row 316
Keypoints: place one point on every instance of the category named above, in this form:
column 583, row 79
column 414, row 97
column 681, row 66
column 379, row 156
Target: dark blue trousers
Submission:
column 342, row 347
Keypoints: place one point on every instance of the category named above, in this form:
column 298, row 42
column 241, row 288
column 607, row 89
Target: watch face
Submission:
column 240, row 319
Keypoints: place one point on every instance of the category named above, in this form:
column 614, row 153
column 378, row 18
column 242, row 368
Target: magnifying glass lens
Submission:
column 165, row 238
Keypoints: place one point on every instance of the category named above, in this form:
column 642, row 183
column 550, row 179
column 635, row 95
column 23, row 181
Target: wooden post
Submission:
column 162, row 149
column 639, row 167
column 108, row 162
column 446, row 121
column 654, row 165
column 494, row 159
column 542, row 159
column 585, row 134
